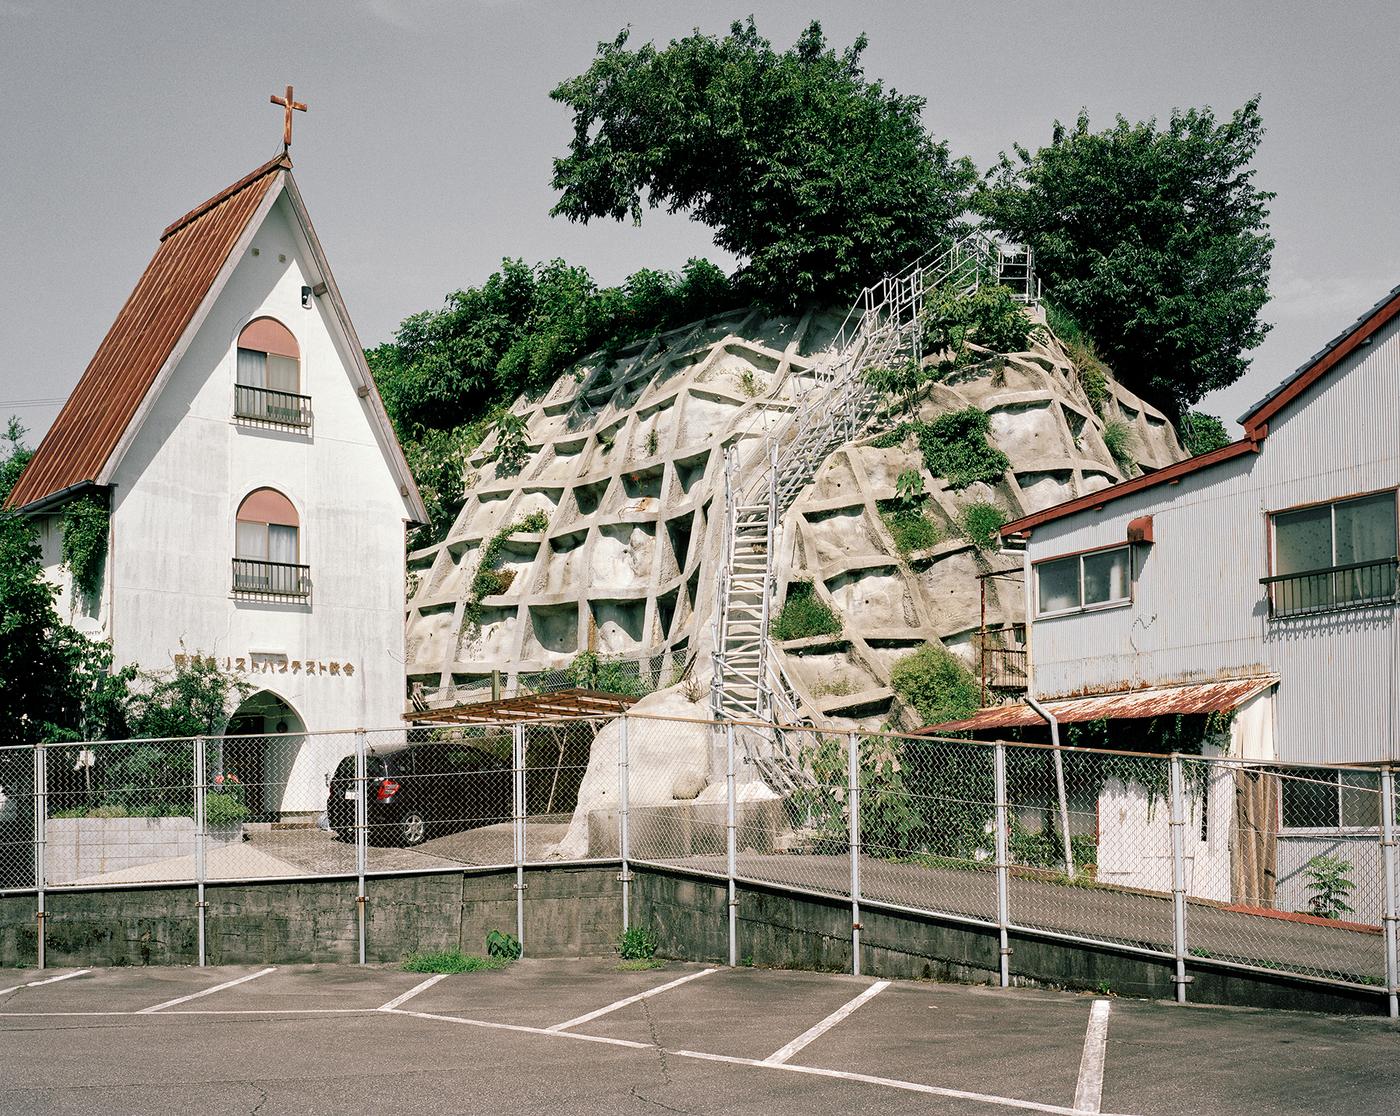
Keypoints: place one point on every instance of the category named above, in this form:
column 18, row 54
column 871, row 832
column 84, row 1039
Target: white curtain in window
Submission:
column 283, row 373
column 252, row 368
column 1366, row 529
column 1058, row 584
column 1303, row 540
column 281, row 543
column 1106, row 576
column 251, row 541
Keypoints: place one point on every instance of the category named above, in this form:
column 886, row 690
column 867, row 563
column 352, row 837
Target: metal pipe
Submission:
column 361, row 832
column 623, row 793
column 201, row 782
column 1058, row 754
column 1178, row 824
column 730, row 850
column 41, row 813
column 1388, row 867
column 1003, row 865
column 518, row 741
column 853, row 798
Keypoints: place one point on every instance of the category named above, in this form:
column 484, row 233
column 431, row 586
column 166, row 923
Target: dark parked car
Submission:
column 416, row 790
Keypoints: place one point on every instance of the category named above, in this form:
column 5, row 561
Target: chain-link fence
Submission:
column 1268, row 867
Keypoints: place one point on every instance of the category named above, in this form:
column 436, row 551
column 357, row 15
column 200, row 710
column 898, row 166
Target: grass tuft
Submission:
column 451, row 961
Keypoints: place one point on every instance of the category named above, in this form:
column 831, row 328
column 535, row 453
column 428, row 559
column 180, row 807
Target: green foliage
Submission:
column 450, row 961
column 85, row 523
column 194, row 696
column 819, row 180
column 1046, row 848
column 980, row 521
column 955, row 447
column 804, row 614
column 936, row 683
column 888, row 820
column 489, row 581
column 438, row 460
column 748, row 384
column 1156, row 239
column 901, row 379
column 1093, row 373
column 912, row 529
column 909, row 490
column 511, row 449
column 652, row 443
column 636, row 943
column 1118, row 440
column 222, row 808
column 1201, row 433
column 991, row 317
column 501, row 946
column 590, row 672
column 1329, row 885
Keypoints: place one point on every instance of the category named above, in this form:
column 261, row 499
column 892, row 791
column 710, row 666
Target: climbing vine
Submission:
column 86, row 521
column 489, row 581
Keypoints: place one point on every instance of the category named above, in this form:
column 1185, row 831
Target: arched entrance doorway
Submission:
column 260, row 748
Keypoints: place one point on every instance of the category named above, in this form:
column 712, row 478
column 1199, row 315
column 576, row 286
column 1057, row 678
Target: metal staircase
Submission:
column 749, row 682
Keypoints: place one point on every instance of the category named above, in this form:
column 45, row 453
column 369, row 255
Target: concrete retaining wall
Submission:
column 569, row 912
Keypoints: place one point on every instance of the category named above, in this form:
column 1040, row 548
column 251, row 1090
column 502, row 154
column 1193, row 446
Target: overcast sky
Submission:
column 425, row 157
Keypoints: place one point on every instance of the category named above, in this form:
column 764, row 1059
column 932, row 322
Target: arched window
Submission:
column 269, row 374
column 267, row 548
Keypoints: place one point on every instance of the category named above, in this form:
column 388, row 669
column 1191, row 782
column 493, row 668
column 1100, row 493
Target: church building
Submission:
column 257, row 497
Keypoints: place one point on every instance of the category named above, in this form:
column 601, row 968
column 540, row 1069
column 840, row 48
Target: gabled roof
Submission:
column 194, row 259
column 1255, row 421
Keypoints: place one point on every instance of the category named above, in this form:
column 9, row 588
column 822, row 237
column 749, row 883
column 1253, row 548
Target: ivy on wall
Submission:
column 490, row 581
column 85, row 524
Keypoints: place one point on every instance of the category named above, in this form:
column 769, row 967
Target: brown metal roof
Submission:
column 561, row 704
column 147, row 328
column 1200, row 697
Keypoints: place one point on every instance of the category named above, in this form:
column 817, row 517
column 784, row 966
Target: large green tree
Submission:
column 1155, row 239
column 819, row 180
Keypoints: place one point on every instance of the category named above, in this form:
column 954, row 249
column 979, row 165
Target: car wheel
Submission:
column 413, row 829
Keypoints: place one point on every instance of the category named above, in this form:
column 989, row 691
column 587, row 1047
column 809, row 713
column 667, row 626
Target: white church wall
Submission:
column 337, row 658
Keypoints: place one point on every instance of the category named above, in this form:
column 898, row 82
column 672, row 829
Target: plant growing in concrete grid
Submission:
column 652, row 443
column 909, row 489
column 955, row 447
column 489, row 581
column 900, row 379
column 748, row 383
column 936, row 683
column 1118, row 440
column 511, row 449
column 980, row 522
column 637, row 943
column 501, row 946
column 1329, row 885
column 804, row 614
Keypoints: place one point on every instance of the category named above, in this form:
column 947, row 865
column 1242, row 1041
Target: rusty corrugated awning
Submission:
column 1199, row 697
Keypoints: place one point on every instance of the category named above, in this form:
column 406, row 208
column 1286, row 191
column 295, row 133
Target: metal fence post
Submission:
column 201, row 788
column 730, row 848
column 1178, row 826
column 1003, row 865
column 853, row 797
column 361, row 830
column 41, row 813
column 623, row 792
column 518, row 763
column 1388, row 867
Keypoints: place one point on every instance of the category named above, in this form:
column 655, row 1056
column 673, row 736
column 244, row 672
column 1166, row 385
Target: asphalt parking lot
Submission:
column 584, row 1037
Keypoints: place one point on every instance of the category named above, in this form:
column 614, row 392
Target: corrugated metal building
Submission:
column 1275, row 555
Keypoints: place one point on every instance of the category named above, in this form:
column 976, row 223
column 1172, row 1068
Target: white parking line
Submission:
column 778, row 1057
column 49, row 980
column 207, row 991
column 1088, row 1091
column 397, row 1001
column 630, row 1000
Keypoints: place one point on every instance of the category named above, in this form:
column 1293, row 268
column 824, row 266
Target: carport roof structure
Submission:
column 572, row 702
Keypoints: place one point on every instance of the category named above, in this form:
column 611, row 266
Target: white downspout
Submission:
column 1049, row 718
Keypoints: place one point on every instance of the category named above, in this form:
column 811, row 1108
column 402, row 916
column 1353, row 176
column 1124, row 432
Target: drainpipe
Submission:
column 1049, row 719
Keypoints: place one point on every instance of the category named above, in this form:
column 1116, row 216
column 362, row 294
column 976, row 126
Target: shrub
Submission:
column 911, row 528
column 1201, row 433
column 1118, row 440
column 901, row 379
column 804, row 614
column 636, row 943
column 1329, row 884
column 501, row 946
column 511, row 449
column 223, row 808
column 955, row 447
column 450, row 961
column 936, row 683
column 589, row 672
column 85, row 525
column 980, row 522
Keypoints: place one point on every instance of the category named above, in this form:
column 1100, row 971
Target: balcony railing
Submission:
column 270, row 579
column 1355, row 585
column 284, row 408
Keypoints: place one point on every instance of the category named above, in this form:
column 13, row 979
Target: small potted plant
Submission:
column 225, row 809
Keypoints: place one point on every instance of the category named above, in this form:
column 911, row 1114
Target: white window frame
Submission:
column 1100, row 606
column 1338, row 788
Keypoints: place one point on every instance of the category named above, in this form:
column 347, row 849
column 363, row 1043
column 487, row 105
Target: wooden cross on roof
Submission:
column 288, row 104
